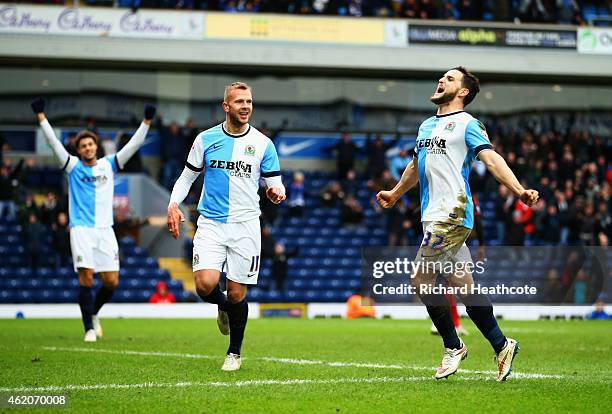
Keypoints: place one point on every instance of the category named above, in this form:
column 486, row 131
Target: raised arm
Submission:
column 502, row 173
column 477, row 140
column 65, row 160
column 124, row 155
column 410, row 177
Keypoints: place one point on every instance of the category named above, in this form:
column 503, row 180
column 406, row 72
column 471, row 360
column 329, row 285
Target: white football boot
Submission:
column 232, row 362
column 504, row 359
column 90, row 336
column 450, row 361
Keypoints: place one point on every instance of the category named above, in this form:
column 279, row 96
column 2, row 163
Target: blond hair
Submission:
column 235, row 85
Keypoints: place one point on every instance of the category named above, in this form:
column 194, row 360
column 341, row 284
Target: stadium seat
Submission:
column 65, row 272
column 160, row 274
column 254, row 294
column 24, row 296
column 175, row 284
column 68, row 295
column 45, row 272
column 16, row 283
column 124, row 295
column 5, row 295
column 133, row 283
column 127, row 241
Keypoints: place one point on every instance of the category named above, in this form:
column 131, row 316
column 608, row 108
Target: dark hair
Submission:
column 85, row 134
column 469, row 82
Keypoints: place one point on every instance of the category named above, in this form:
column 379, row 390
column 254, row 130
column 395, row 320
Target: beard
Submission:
column 234, row 118
column 445, row 98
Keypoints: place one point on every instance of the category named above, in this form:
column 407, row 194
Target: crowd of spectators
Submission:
column 543, row 11
column 45, row 213
column 573, row 176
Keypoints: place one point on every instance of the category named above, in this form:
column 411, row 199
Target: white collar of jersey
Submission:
column 235, row 135
column 450, row 114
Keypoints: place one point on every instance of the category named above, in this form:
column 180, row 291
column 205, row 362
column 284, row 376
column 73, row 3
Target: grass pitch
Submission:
column 322, row 366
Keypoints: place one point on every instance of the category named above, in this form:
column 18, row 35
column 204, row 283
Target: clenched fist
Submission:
column 529, row 197
column 386, row 199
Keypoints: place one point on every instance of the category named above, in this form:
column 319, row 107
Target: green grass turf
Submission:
column 577, row 350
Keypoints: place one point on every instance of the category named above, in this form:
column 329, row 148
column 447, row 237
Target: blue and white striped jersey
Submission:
column 232, row 167
column 446, row 148
column 90, row 190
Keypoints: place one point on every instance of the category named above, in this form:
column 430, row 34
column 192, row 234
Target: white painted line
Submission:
column 210, row 384
column 395, row 366
column 516, row 375
column 127, row 352
column 332, row 363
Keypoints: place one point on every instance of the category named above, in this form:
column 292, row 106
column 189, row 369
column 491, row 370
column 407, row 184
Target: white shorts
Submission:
column 233, row 247
column 444, row 243
column 94, row 248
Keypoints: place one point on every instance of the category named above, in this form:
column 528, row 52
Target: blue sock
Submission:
column 238, row 314
column 439, row 312
column 104, row 295
column 442, row 319
column 485, row 321
column 215, row 297
column 86, row 305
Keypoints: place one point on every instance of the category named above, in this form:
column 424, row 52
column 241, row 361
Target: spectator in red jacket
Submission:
column 523, row 220
column 162, row 295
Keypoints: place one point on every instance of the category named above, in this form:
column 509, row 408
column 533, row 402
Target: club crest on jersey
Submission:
column 450, row 126
column 249, row 150
column 196, row 259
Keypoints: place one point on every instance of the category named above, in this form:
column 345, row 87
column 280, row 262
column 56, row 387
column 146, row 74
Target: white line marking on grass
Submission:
column 127, row 352
column 332, row 363
column 246, row 383
column 394, row 366
column 516, row 375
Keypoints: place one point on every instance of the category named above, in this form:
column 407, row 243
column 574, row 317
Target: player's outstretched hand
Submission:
column 149, row 112
column 529, row 197
column 276, row 194
column 38, row 105
column 386, row 199
column 175, row 217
